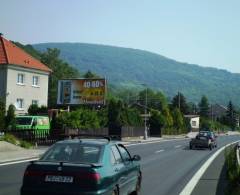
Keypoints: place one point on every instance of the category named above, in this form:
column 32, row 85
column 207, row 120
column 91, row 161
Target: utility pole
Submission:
column 179, row 102
column 145, row 118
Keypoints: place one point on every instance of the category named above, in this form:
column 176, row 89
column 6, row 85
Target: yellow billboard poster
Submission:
column 81, row 91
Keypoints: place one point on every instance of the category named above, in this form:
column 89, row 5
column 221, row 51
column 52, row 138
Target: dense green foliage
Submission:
column 78, row 119
column 231, row 116
column 36, row 110
column 178, row 121
column 2, row 114
column 204, row 107
column 10, row 120
column 61, row 70
column 129, row 67
column 156, row 121
column 179, row 101
column 233, row 169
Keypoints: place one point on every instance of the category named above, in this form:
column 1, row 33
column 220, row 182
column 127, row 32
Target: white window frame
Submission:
column 22, row 80
column 35, row 81
column 20, row 104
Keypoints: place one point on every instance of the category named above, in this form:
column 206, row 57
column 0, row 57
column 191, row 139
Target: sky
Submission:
column 203, row 32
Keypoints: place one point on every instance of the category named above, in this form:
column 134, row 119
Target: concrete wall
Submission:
column 27, row 92
column 3, row 78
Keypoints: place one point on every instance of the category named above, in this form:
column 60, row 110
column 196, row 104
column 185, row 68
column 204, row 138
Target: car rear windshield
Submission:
column 24, row 121
column 73, row 153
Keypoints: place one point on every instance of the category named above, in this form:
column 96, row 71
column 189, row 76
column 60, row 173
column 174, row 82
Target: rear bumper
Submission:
column 37, row 191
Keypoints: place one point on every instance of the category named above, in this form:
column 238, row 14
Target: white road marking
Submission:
column 17, row 162
column 159, row 151
column 152, row 142
column 178, row 146
column 188, row 189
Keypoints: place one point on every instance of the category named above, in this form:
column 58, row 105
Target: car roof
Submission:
column 100, row 141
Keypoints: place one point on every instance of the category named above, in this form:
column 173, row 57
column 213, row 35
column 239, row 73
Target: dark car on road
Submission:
column 204, row 139
column 84, row 166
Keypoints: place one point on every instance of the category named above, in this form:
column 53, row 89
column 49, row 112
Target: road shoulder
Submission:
column 214, row 180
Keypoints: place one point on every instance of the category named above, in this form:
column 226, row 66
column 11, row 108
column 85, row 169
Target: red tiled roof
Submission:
column 11, row 54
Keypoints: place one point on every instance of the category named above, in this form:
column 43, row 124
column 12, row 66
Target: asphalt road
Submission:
column 167, row 167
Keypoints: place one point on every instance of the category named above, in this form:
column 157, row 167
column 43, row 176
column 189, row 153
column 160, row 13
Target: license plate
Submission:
column 59, row 179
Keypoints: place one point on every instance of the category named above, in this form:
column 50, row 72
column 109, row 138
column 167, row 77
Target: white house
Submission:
column 23, row 79
column 194, row 121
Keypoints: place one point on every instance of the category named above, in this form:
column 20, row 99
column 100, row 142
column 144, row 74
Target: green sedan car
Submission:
column 84, row 166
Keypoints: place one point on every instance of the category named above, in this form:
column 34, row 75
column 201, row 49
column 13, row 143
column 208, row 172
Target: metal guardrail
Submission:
column 237, row 153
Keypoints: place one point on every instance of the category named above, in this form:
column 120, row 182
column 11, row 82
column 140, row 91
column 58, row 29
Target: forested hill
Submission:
column 130, row 67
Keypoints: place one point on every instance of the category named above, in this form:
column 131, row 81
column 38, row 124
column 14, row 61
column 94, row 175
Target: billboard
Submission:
column 81, row 91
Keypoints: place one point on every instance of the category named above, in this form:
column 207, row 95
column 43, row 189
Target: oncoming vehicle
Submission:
column 33, row 122
column 204, row 139
column 84, row 166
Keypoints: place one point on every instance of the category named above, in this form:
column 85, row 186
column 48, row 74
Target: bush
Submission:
column 13, row 140
column 10, row 118
column 10, row 138
column 25, row 144
column 79, row 119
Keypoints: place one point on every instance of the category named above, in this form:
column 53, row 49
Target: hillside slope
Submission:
column 131, row 67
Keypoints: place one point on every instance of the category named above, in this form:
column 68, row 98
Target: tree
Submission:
column 115, row 122
column 231, row 116
column 204, row 107
column 156, row 122
column 33, row 109
column 10, row 118
column 79, row 119
column 179, row 101
column 2, row 114
column 89, row 74
column 178, row 120
column 155, row 100
column 61, row 70
column 168, row 117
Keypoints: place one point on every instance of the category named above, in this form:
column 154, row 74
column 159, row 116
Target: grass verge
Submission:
column 13, row 140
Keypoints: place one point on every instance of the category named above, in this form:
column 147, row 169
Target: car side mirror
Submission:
column 136, row 158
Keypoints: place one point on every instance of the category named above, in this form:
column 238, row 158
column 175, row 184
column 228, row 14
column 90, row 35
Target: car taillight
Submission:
column 89, row 176
column 33, row 173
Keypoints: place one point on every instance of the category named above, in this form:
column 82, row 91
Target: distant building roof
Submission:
column 191, row 116
column 11, row 54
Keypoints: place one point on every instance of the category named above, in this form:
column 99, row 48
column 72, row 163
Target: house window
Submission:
column 34, row 102
column 194, row 123
column 19, row 103
column 20, row 79
column 35, row 81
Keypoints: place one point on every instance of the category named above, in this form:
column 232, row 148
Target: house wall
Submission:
column 194, row 123
column 3, row 78
column 27, row 91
